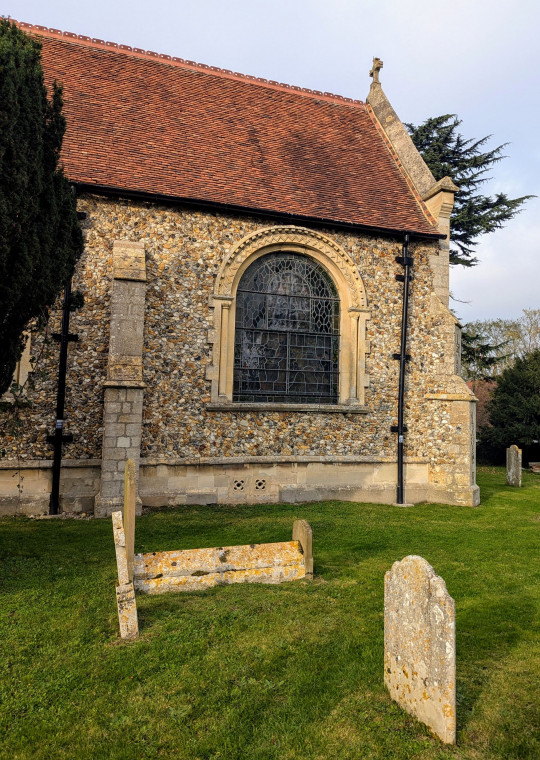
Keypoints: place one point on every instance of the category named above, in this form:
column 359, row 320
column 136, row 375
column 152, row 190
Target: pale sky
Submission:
column 480, row 60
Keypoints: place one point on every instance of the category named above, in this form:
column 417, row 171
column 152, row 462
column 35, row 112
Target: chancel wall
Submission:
column 192, row 450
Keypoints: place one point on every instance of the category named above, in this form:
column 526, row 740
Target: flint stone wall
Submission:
column 419, row 645
column 184, row 250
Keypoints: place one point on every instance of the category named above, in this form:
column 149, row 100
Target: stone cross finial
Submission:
column 377, row 66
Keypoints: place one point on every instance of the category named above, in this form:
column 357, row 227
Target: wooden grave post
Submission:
column 124, row 542
column 130, row 495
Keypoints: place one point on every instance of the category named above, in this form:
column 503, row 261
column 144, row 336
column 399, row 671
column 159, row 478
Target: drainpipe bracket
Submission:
column 406, row 261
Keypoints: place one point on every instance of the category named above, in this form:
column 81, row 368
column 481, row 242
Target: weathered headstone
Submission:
column 419, row 645
column 513, row 466
column 125, row 591
column 303, row 533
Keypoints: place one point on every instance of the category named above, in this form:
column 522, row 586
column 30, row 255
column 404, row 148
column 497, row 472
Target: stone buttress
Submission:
column 452, row 475
column 124, row 387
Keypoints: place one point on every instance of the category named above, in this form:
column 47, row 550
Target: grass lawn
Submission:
column 267, row 672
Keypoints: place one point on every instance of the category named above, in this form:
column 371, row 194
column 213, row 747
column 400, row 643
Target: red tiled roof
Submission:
column 137, row 121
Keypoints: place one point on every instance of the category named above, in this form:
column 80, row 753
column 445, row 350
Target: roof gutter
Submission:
column 230, row 208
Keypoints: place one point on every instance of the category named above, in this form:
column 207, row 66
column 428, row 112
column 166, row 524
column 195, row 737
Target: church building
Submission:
column 265, row 281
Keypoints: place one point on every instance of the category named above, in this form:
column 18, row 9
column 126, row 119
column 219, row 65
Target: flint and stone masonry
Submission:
column 148, row 327
column 123, row 388
column 419, row 645
column 513, row 466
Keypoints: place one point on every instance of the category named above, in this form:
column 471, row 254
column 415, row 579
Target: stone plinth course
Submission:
column 419, row 645
column 513, row 466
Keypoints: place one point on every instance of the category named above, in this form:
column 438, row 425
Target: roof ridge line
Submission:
column 93, row 42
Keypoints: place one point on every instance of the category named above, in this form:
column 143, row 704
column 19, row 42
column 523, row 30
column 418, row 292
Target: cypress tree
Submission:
column 40, row 237
column 449, row 154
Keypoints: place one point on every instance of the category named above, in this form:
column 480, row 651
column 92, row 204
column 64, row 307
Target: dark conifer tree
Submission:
column 514, row 410
column 40, row 237
column 449, row 154
column 480, row 359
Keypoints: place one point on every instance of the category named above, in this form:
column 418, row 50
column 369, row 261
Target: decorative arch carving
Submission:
column 290, row 238
column 352, row 294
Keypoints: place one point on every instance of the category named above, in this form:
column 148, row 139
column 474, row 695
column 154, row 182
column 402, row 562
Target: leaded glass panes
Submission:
column 287, row 332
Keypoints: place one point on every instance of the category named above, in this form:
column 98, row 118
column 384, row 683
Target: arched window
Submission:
column 286, row 332
column 288, row 326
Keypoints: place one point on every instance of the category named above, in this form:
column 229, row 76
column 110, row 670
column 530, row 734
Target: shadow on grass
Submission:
column 486, row 634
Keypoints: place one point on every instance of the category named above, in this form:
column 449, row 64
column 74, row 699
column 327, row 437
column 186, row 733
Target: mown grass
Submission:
column 267, row 672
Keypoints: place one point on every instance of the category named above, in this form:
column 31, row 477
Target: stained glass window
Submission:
column 287, row 332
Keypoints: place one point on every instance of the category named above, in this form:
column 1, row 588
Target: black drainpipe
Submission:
column 406, row 261
column 59, row 438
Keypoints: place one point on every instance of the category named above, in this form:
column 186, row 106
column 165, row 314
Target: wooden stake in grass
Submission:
column 304, row 535
column 130, row 491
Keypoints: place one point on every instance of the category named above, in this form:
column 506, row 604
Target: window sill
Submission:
column 243, row 406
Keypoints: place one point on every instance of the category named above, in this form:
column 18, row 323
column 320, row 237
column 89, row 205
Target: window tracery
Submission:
column 286, row 332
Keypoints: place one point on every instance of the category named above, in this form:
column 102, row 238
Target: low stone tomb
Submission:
column 197, row 569
column 419, row 645
column 535, row 467
column 513, row 466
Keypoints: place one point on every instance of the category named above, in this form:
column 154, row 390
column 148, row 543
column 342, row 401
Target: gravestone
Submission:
column 419, row 645
column 127, row 611
column 513, row 466
column 195, row 569
column 125, row 591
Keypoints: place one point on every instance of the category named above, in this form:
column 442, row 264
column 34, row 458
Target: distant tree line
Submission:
column 489, row 346
column 502, row 359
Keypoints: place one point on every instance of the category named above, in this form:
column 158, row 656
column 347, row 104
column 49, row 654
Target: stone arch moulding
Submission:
column 354, row 308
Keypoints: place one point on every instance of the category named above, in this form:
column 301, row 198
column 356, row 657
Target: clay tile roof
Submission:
column 144, row 122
